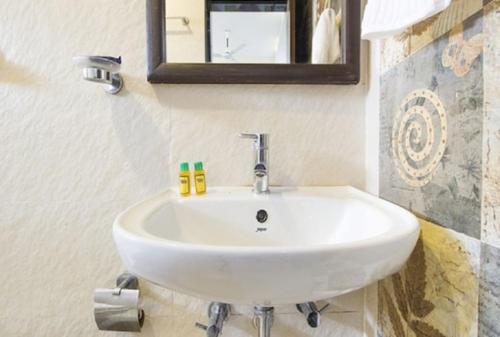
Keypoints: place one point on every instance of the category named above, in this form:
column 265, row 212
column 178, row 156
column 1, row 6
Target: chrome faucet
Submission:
column 261, row 167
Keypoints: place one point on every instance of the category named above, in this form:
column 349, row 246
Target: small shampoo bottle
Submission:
column 184, row 180
column 199, row 178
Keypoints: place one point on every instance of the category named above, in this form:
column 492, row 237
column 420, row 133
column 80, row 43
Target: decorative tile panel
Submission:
column 436, row 293
column 431, row 130
column 440, row 157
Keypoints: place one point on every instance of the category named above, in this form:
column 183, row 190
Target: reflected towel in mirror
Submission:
column 326, row 39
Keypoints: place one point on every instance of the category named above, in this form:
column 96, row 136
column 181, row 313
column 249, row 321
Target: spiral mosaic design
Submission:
column 419, row 137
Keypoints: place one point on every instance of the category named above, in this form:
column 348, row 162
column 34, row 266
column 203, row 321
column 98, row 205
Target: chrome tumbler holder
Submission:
column 101, row 69
column 118, row 309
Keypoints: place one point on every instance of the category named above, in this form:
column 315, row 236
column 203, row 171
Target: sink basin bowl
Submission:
column 316, row 243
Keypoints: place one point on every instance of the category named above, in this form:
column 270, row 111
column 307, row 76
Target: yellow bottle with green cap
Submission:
column 184, row 180
column 199, row 178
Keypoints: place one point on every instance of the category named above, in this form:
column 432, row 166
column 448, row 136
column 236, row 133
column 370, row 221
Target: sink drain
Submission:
column 261, row 216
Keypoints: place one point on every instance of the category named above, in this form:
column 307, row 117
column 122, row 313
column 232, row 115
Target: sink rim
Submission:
column 140, row 210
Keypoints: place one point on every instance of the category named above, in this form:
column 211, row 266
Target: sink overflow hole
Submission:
column 261, row 216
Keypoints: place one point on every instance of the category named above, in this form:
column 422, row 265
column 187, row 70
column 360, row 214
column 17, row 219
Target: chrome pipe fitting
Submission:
column 263, row 320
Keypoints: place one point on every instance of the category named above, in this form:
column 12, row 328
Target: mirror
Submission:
column 252, row 32
column 253, row 41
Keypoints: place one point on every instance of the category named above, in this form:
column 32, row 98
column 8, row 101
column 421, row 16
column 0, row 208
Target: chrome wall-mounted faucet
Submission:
column 261, row 166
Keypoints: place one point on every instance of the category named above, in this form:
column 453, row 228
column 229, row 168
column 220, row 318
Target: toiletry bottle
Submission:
column 199, row 178
column 184, row 180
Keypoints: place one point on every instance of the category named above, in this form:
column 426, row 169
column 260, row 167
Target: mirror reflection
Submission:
column 254, row 31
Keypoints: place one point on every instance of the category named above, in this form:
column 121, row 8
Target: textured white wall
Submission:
column 372, row 171
column 73, row 157
column 372, row 121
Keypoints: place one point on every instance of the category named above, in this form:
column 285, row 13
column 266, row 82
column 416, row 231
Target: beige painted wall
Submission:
column 73, row 157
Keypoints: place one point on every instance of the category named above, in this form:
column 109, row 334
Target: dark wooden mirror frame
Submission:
column 216, row 73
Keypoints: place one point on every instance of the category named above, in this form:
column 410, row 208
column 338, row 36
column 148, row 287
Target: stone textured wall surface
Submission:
column 489, row 292
column 440, row 153
column 74, row 157
column 436, row 294
column 491, row 127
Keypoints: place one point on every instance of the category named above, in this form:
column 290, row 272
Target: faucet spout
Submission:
column 261, row 156
column 261, row 179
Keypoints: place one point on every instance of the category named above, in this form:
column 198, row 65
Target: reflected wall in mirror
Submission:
column 254, row 31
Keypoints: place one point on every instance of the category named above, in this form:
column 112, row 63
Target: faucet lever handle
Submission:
column 261, row 140
column 201, row 326
column 253, row 136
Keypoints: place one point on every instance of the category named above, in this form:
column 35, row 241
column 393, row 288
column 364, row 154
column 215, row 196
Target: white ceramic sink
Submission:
column 317, row 243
